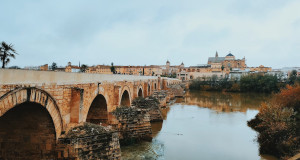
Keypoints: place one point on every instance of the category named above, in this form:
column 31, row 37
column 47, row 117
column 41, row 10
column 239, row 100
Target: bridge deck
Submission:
column 16, row 76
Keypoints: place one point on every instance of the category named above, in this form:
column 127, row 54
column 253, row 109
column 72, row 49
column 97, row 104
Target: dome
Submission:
column 229, row 55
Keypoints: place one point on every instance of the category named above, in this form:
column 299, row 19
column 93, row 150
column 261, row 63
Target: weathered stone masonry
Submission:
column 67, row 98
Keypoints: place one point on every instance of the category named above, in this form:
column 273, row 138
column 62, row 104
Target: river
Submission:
column 204, row 125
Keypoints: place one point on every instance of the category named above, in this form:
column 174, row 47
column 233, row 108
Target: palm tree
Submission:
column 6, row 51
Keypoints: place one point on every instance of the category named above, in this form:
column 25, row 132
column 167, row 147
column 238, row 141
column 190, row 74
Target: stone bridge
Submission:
column 53, row 102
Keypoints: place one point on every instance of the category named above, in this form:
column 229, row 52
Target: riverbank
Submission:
column 259, row 83
column 278, row 124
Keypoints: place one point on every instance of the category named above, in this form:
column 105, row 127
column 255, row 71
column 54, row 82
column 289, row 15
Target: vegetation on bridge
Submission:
column 87, row 129
column 278, row 123
column 145, row 103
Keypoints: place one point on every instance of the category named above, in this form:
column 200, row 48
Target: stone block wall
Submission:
column 176, row 90
column 89, row 142
column 134, row 124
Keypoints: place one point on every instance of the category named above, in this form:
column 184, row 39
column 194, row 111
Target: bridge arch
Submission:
column 98, row 111
column 29, row 131
column 33, row 95
column 125, row 97
column 149, row 89
column 140, row 91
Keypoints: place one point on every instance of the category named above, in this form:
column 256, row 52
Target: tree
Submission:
column 83, row 68
column 259, row 83
column 6, row 51
column 53, row 66
column 292, row 77
column 143, row 71
column 112, row 68
column 280, row 76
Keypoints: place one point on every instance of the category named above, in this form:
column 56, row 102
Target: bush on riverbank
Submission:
column 214, row 85
column 248, row 83
column 278, row 123
column 259, row 83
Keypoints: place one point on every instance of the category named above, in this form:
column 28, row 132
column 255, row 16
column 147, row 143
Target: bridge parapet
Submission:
column 16, row 76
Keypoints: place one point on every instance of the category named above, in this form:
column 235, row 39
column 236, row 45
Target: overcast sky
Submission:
column 144, row 32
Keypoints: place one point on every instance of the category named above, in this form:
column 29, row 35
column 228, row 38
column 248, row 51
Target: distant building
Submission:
column 32, row 67
column 44, row 67
column 200, row 71
column 100, row 69
column 168, row 70
column 216, row 66
column 127, row 70
column 221, row 67
column 72, row 68
column 226, row 64
column 261, row 68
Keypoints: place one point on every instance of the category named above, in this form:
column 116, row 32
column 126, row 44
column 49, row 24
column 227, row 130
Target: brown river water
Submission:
column 204, row 126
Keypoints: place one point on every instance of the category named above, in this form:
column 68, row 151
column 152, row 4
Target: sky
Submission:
column 150, row 32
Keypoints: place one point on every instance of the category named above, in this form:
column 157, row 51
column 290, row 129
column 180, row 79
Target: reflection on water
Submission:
column 226, row 102
column 144, row 151
column 156, row 127
column 204, row 125
column 164, row 112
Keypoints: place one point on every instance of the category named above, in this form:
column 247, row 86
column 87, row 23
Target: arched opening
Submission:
column 98, row 111
column 27, row 132
column 125, row 100
column 154, row 86
column 140, row 93
column 149, row 88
